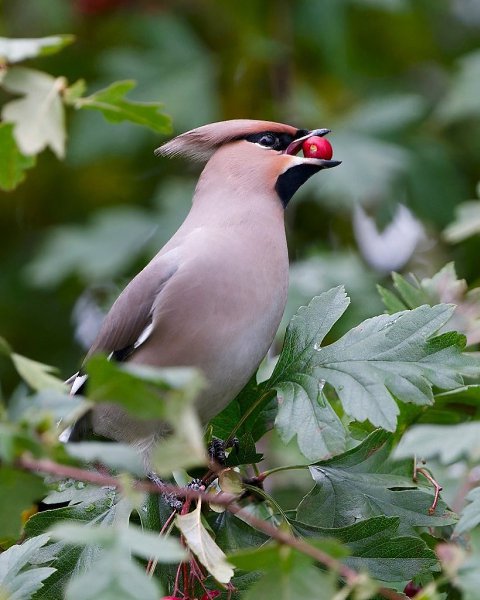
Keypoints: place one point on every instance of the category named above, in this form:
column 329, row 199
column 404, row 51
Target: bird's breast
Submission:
column 222, row 309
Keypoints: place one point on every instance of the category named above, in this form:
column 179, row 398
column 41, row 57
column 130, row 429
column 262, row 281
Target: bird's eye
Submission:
column 268, row 140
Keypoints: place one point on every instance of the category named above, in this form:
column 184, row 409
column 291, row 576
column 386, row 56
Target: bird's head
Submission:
column 258, row 154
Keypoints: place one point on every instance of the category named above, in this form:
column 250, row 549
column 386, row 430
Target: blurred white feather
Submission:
column 390, row 249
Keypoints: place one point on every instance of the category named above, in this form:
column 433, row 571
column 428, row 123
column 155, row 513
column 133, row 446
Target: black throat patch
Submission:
column 289, row 182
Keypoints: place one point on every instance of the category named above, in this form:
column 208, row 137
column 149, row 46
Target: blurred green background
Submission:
column 398, row 82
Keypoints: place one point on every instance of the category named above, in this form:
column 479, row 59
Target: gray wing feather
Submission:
column 130, row 315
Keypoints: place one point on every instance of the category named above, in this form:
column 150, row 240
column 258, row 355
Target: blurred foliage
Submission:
column 396, row 80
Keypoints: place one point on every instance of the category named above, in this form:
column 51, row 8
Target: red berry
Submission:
column 317, row 147
column 411, row 589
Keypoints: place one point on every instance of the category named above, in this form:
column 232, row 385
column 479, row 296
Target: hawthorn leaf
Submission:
column 470, row 515
column 121, row 457
column 303, row 409
column 112, row 104
column 203, row 546
column 252, row 412
column 447, row 442
column 182, row 449
column 36, row 374
column 362, row 483
column 376, row 547
column 91, row 251
column 114, row 576
column 18, row 578
column 13, row 163
column 141, row 543
column 392, row 303
column 14, row 441
column 163, row 391
column 287, row 574
column 38, row 117
column 460, row 101
column 14, row 50
column 466, row 223
column 393, row 356
column 233, row 534
column 444, row 287
column 19, row 491
column 90, row 505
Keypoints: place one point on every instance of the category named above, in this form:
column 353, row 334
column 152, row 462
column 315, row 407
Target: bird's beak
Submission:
column 295, row 146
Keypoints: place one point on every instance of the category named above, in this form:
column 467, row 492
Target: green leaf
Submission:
column 447, row 442
column 38, row 117
column 376, row 547
column 288, row 575
column 233, row 534
column 470, row 515
column 114, row 576
column 163, row 391
column 89, row 505
column 18, row 579
column 182, row 449
column 115, row 108
column 466, row 223
column 131, row 538
column 393, row 356
column 303, row 409
column 19, row 491
column 36, row 374
column 255, row 407
column 92, row 251
column 13, row 163
column 14, row 440
column 444, row 286
column 202, row 545
column 118, row 456
column 390, row 300
column 14, row 50
column 362, row 483
column 460, row 101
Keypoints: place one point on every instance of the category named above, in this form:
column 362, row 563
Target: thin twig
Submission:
column 437, row 487
column 228, row 500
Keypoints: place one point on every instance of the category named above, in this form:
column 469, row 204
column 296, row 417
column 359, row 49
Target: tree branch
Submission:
column 49, row 467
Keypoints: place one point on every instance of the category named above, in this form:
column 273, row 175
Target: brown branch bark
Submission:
column 49, row 467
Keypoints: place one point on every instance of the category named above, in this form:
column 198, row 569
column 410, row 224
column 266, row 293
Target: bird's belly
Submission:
column 222, row 329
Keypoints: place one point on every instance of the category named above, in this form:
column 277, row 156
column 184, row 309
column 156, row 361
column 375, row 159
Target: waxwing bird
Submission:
column 214, row 295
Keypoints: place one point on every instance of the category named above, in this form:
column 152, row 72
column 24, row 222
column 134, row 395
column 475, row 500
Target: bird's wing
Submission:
column 128, row 323
column 126, row 326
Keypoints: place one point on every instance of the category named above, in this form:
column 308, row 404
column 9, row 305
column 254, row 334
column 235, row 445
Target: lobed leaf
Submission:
column 38, row 117
column 393, row 356
column 444, row 286
column 447, row 442
column 361, row 484
column 376, row 547
column 112, row 104
column 19, row 580
column 287, row 574
column 470, row 515
column 303, row 409
column 14, row 50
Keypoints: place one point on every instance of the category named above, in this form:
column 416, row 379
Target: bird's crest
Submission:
column 200, row 143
